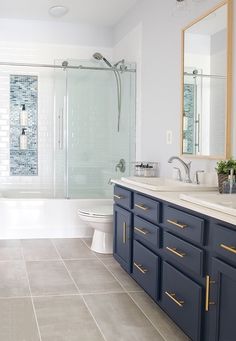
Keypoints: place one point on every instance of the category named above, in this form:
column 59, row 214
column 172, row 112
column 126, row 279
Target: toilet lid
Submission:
column 102, row 211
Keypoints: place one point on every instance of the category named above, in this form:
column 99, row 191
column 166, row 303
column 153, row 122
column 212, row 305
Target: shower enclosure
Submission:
column 78, row 141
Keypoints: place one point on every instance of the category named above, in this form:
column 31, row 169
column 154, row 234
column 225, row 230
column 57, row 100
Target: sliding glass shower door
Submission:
column 88, row 145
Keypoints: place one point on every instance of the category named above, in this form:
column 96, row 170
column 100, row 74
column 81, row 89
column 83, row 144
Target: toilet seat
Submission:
column 97, row 212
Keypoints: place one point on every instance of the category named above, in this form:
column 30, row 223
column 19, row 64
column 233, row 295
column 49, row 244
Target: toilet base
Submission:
column 102, row 242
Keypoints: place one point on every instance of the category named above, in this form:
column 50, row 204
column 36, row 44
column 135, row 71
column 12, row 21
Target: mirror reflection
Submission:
column 205, row 86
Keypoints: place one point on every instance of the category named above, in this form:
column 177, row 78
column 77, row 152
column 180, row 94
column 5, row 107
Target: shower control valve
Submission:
column 121, row 166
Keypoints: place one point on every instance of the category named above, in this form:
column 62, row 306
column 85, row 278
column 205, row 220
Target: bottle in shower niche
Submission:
column 23, row 140
column 23, row 116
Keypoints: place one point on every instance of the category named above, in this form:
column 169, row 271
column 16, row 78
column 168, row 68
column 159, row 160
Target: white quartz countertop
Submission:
column 173, row 198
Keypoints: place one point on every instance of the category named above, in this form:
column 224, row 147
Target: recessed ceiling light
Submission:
column 58, row 11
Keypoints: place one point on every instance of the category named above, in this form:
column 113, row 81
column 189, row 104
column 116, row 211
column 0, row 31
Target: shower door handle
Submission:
column 60, row 129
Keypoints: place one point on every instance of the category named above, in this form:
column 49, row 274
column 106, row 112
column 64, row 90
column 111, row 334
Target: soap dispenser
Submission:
column 23, row 116
column 23, row 140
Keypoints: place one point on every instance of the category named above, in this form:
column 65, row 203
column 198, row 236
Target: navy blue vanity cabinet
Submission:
column 221, row 301
column 189, row 226
column 122, row 237
column 146, row 269
column 183, row 253
column 184, row 260
column 182, row 300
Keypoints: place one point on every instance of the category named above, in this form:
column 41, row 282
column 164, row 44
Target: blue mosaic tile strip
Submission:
column 23, row 90
column 189, row 113
column 23, row 162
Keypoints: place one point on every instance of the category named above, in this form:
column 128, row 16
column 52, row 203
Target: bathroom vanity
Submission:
column 182, row 255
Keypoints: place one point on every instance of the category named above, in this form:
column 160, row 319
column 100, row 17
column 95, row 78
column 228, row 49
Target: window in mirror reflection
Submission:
column 205, row 77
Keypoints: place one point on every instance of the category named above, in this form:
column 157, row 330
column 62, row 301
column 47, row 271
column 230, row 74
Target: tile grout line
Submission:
column 31, row 297
column 85, row 303
column 127, row 292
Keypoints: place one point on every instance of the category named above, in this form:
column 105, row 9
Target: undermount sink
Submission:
column 166, row 185
column 225, row 203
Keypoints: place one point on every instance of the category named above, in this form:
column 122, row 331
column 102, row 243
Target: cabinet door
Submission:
column 122, row 237
column 222, row 293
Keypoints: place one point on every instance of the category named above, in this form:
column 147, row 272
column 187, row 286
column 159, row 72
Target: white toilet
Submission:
column 100, row 218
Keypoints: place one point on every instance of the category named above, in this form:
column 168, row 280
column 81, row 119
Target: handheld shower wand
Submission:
column 99, row 56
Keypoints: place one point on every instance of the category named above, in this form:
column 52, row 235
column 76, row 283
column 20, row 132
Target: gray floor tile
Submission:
column 49, row 277
column 127, row 282
column 17, row 320
column 65, row 319
column 168, row 329
column 120, row 319
column 38, row 249
column 10, row 250
column 73, row 249
column 92, row 276
column 13, row 279
column 88, row 242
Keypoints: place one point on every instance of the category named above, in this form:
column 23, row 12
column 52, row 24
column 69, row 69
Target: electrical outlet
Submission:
column 169, row 137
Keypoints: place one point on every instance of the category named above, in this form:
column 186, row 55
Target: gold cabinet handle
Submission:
column 173, row 222
column 140, row 268
column 124, row 233
column 172, row 297
column 142, row 207
column 141, row 230
column 207, row 302
column 118, row 196
column 175, row 252
column 228, row 248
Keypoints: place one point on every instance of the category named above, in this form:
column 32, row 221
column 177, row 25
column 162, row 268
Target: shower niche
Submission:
column 23, row 125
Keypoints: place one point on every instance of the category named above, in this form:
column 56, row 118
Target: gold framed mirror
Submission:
column 207, row 85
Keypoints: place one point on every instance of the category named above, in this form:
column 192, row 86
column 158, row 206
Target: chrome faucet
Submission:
column 187, row 167
column 121, row 166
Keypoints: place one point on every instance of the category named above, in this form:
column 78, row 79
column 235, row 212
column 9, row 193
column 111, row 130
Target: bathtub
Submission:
column 23, row 218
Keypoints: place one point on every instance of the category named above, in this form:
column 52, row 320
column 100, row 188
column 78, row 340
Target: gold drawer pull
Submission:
column 207, row 302
column 142, row 230
column 142, row 207
column 140, row 268
column 118, row 196
column 228, row 248
column 172, row 297
column 182, row 226
column 124, row 233
column 175, row 252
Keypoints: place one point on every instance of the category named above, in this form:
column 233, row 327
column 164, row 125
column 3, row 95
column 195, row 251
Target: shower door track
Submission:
column 79, row 67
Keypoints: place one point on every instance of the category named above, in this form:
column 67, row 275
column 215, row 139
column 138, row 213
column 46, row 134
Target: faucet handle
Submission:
column 197, row 176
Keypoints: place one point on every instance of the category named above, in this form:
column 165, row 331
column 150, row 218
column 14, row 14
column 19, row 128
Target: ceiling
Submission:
column 93, row 12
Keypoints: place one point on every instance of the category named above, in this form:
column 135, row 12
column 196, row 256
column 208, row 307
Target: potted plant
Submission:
column 223, row 168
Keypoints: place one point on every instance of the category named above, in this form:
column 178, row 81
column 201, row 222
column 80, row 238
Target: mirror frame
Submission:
column 228, row 108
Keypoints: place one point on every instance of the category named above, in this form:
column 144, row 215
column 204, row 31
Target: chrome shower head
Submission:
column 99, row 56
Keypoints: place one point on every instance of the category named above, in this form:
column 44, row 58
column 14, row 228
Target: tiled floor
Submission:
column 58, row 290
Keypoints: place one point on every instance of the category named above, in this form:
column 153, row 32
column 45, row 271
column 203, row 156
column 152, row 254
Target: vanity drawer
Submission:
column 147, row 233
column 183, row 253
column 182, row 300
column 122, row 197
column 146, row 269
column 184, row 224
column 224, row 242
column 146, row 208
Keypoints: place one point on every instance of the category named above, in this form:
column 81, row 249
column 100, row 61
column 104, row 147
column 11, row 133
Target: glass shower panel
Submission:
column 94, row 147
column 123, row 142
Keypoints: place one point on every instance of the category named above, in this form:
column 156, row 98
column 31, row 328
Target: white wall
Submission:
column 161, row 76
column 54, row 32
